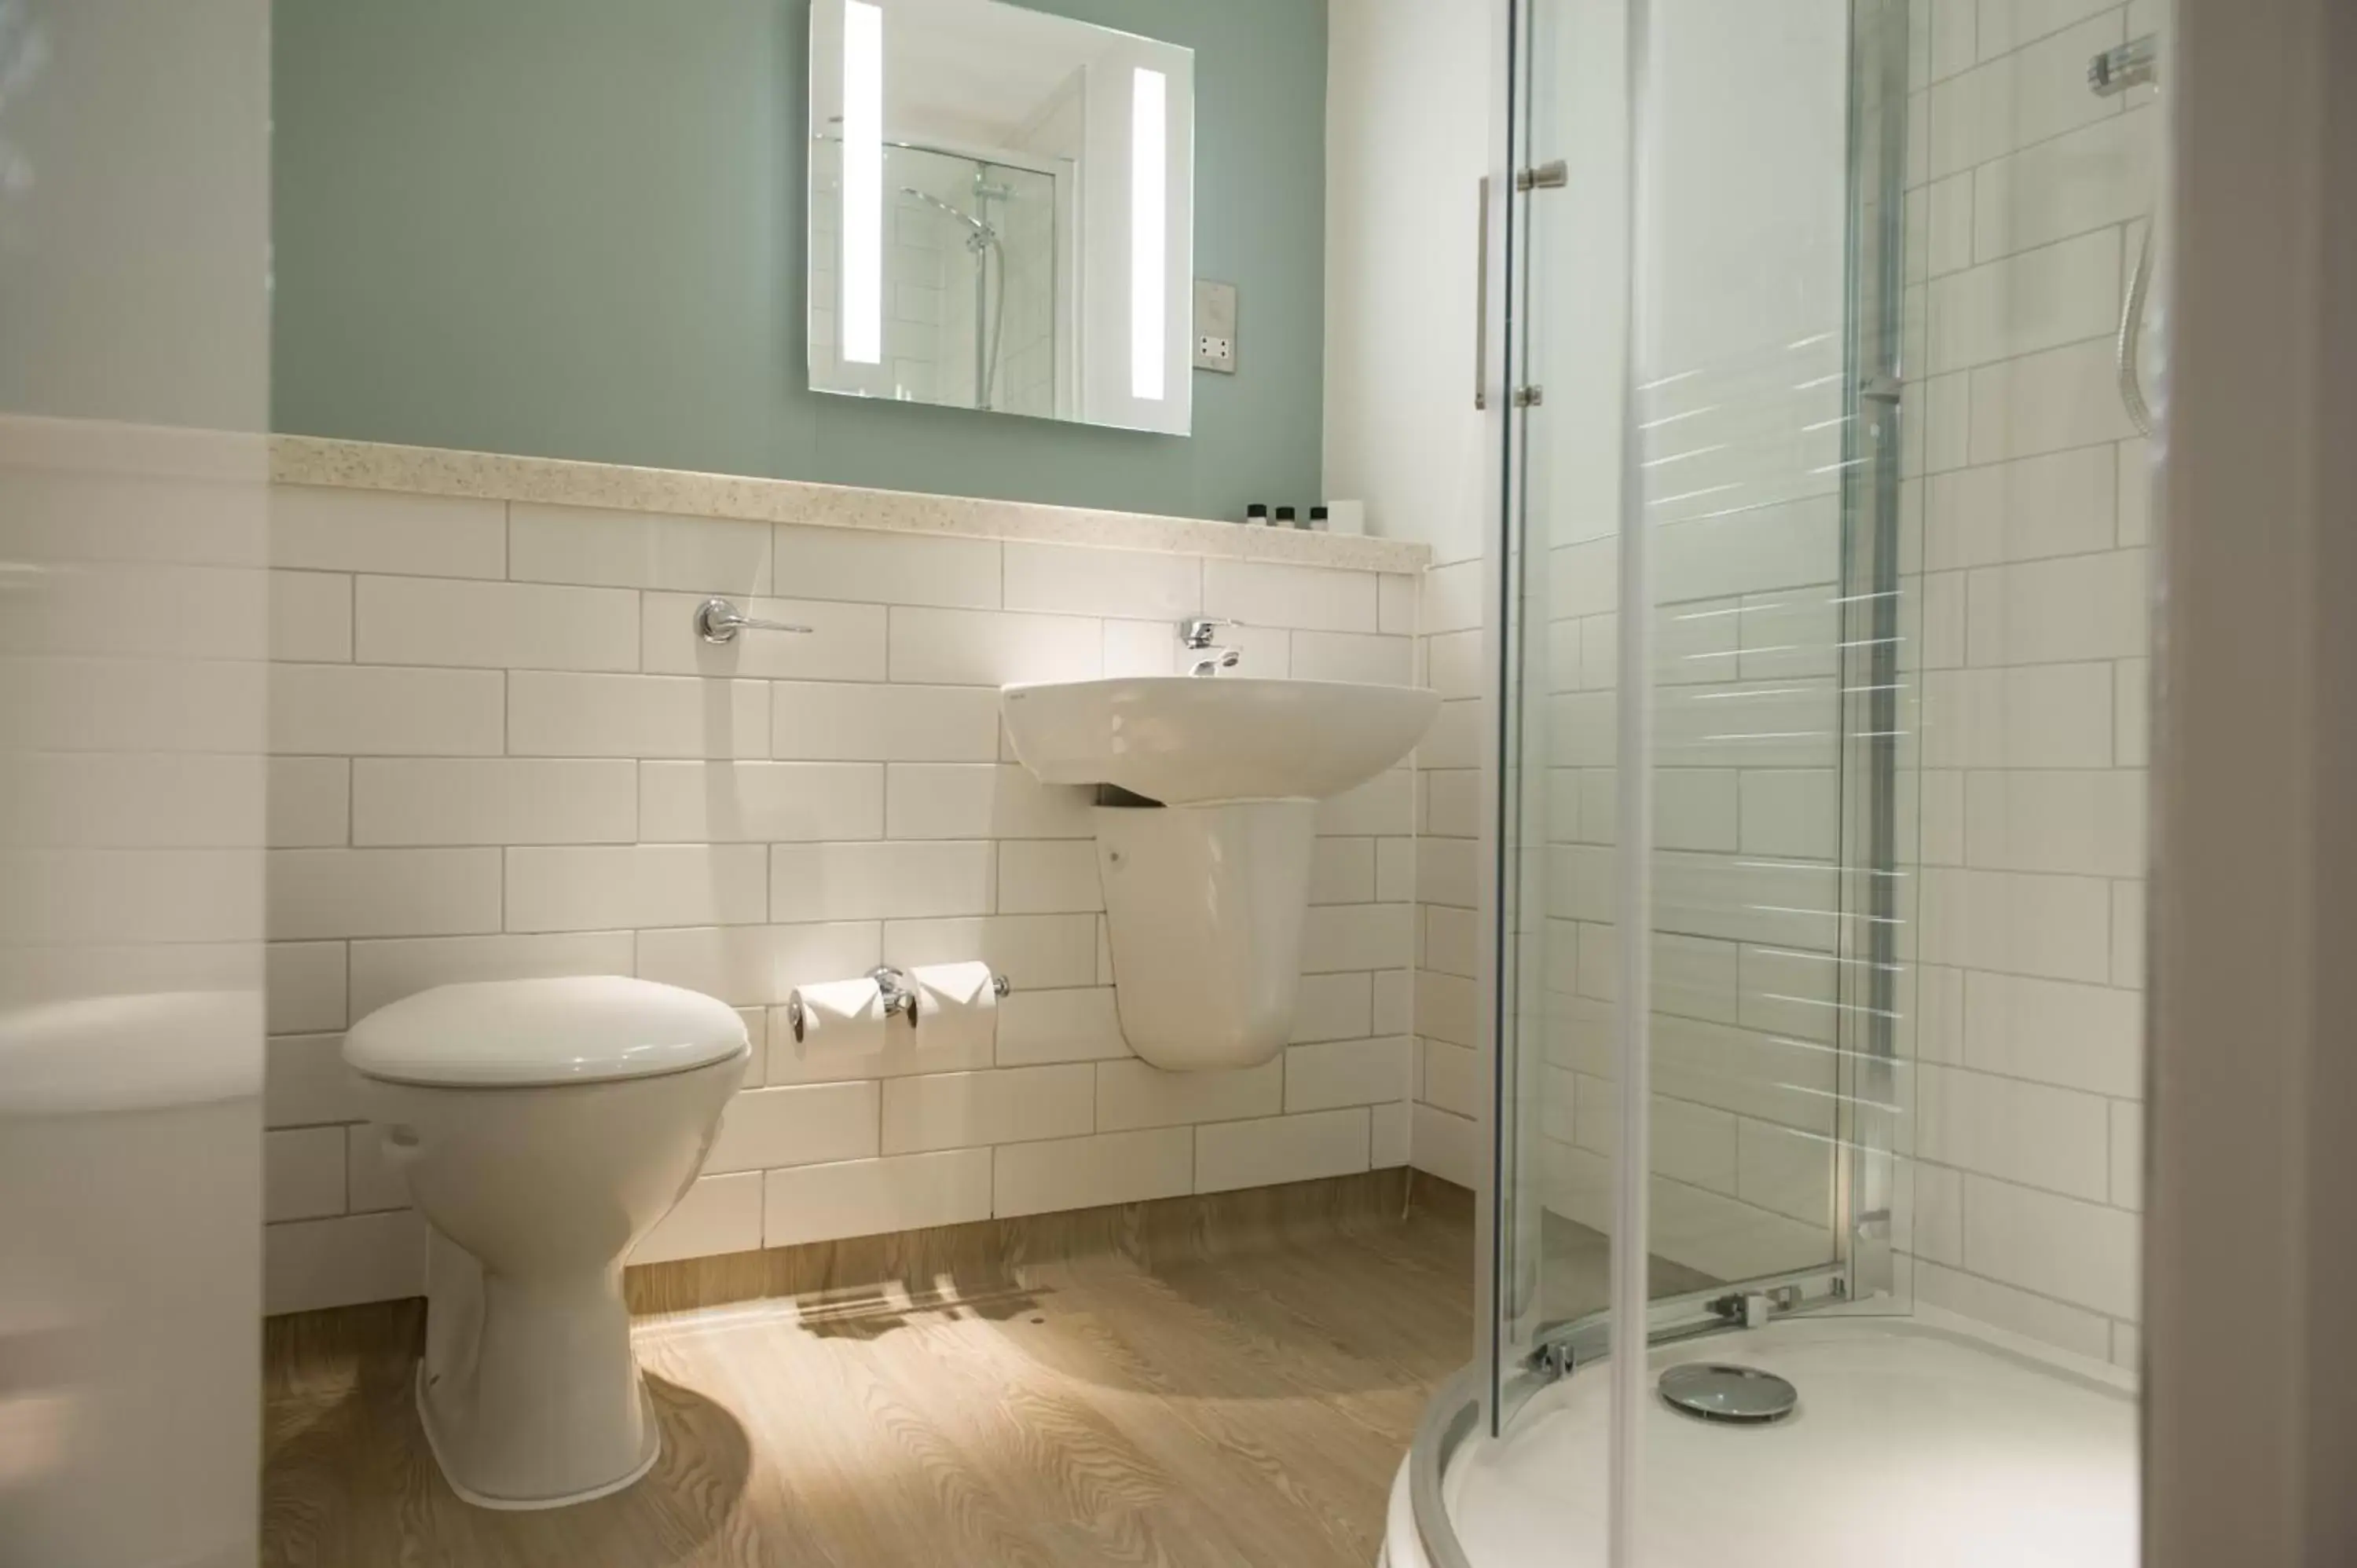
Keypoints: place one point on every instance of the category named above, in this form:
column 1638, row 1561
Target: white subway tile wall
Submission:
column 1443, row 1133
column 2028, row 1017
column 501, row 753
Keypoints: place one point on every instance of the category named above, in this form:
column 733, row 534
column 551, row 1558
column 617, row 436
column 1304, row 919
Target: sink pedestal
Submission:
column 1205, row 906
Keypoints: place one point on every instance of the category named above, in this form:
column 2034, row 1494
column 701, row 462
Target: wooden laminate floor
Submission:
column 1240, row 1406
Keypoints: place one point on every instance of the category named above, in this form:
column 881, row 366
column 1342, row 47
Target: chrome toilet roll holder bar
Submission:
column 892, row 987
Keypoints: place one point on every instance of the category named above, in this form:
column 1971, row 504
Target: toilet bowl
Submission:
column 544, row 1126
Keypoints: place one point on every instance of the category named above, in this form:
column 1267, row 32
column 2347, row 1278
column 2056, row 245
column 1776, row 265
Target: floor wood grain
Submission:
column 1214, row 1386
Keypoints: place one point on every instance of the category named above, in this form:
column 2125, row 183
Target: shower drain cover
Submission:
column 1715, row 1390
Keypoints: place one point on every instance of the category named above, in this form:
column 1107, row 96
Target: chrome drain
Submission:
column 1716, row 1390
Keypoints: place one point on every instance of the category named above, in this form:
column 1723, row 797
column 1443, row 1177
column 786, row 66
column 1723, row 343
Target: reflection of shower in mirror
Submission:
column 982, row 243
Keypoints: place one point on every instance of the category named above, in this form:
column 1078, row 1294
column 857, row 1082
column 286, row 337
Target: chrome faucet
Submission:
column 1195, row 635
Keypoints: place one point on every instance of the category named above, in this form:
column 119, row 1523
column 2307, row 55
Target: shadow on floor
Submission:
column 349, row 1479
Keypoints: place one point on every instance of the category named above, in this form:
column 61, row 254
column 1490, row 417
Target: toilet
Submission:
column 544, row 1126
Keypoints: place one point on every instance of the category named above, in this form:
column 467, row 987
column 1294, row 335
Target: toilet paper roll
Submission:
column 839, row 1015
column 957, row 1007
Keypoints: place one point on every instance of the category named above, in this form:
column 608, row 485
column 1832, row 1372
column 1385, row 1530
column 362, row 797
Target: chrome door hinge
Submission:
column 1544, row 176
column 1880, row 389
column 1530, row 396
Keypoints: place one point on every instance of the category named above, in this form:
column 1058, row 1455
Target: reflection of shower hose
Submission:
column 2131, row 330
column 998, row 324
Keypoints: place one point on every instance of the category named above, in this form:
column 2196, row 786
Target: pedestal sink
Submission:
column 1207, row 876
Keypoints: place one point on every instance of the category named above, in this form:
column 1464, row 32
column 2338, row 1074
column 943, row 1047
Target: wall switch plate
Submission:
column 1215, row 325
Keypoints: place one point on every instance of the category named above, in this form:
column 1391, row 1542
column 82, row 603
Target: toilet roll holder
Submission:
column 892, row 988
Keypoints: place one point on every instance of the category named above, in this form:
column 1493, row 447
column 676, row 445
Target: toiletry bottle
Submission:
column 1317, row 520
column 1285, row 517
column 1256, row 515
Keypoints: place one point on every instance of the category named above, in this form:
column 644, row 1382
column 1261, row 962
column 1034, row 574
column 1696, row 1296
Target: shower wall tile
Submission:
column 2095, row 178
column 2062, row 504
column 2022, row 97
column 538, row 769
column 2054, row 612
column 2033, row 821
column 2089, row 823
column 2083, row 1253
column 2056, row 1139
column 2076, row 1035
column 2039, row 1317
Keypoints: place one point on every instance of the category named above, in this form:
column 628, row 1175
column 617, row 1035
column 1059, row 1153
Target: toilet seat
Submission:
column 523, row 1033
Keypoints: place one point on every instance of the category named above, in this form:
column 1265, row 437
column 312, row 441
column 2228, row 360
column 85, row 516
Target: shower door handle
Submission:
column 1481, row 297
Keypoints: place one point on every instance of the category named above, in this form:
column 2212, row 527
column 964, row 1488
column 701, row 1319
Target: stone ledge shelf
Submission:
column 484, row 475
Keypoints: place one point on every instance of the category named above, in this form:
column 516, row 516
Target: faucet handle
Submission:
column 1195, row 631
column 718, row 621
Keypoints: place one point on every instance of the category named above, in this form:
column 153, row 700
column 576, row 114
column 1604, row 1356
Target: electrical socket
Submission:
column 1215, row 326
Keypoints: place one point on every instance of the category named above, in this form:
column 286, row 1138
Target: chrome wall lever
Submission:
column 718, row 621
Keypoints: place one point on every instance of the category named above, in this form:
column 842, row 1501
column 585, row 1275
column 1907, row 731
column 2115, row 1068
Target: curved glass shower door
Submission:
column 1762, row 469
column 1820, row 790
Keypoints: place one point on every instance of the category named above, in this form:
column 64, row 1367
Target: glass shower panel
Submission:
column 1742, row 401
column 1753, row 477
column 1568, row 288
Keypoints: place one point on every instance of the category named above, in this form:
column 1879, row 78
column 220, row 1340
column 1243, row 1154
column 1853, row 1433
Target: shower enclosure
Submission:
column 1820, row 875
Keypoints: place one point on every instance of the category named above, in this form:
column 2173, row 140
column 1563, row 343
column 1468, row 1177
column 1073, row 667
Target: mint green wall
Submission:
column 574, row 228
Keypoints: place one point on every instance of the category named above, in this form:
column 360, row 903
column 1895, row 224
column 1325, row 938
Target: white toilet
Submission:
column 546, row 1125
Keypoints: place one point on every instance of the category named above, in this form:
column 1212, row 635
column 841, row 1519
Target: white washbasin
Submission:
column 1186, row 741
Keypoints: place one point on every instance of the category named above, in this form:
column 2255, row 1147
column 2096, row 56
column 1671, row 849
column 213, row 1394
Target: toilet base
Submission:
column 650, row 1450
column 530, row 1391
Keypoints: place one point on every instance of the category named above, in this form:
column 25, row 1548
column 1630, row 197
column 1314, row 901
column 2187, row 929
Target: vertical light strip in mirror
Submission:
column 863, row 183
column 1149, row 165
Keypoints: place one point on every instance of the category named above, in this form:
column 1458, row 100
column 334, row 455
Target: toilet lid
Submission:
column 520, row 1032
